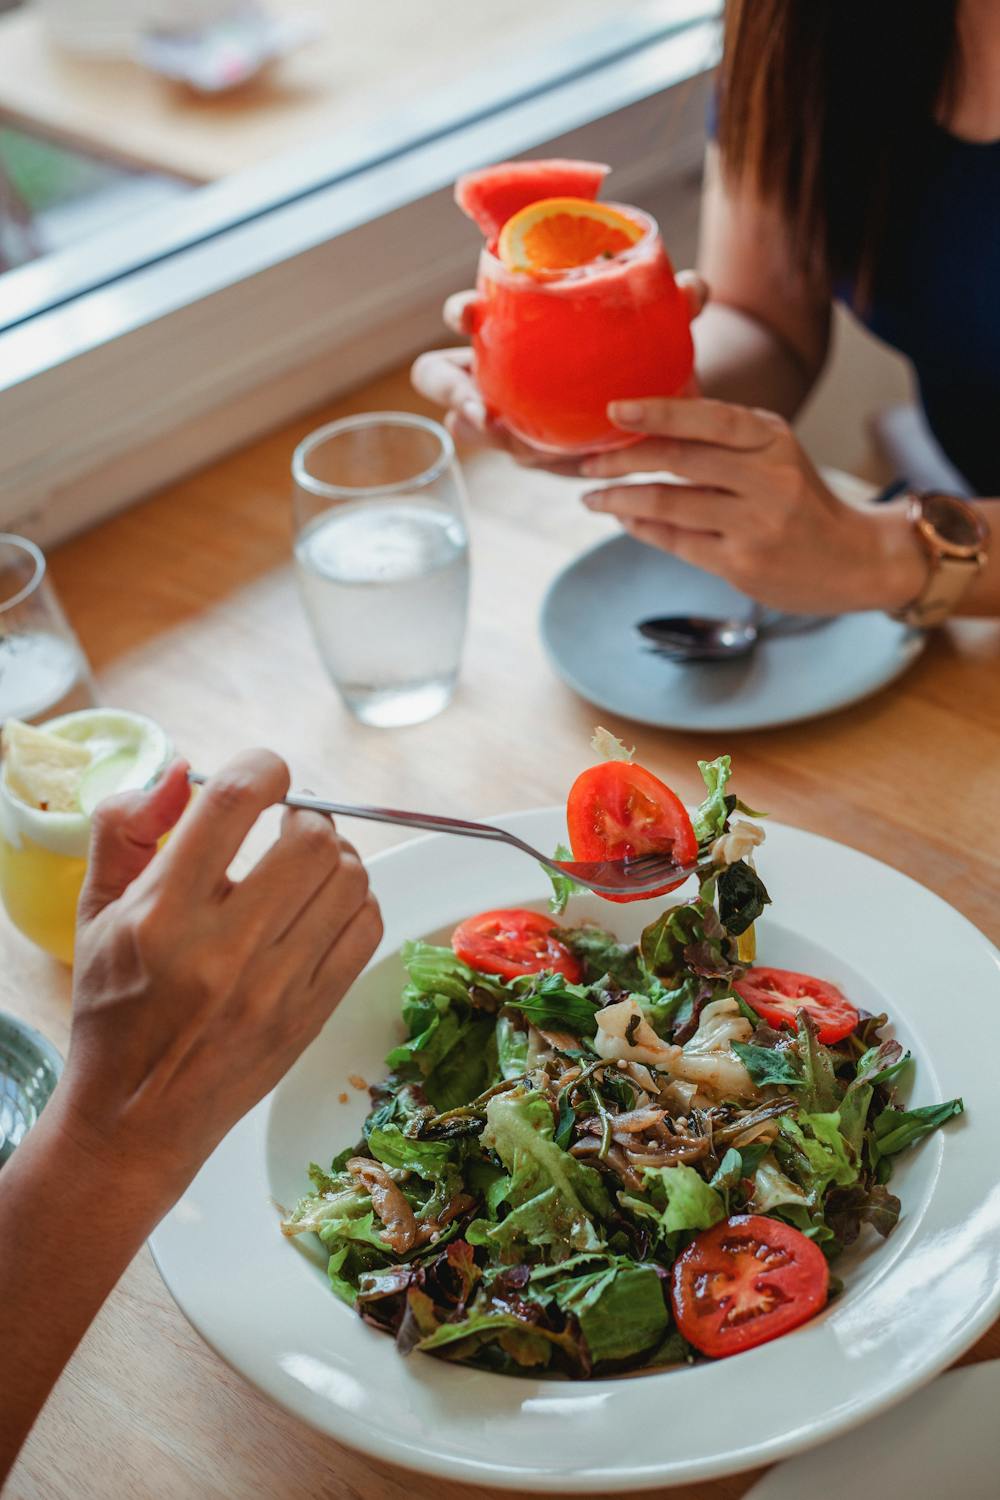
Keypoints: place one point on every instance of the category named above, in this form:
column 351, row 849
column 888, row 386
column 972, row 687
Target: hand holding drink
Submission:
column 577, row 305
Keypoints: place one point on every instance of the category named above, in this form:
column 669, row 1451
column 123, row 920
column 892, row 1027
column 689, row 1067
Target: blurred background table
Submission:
column 351, row 76
column 186, row 605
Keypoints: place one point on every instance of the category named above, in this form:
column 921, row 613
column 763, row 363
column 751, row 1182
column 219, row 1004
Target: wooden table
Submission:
column 186, row 607
column 369, row 62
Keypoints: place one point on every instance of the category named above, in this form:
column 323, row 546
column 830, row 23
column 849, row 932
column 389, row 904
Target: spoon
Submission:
column 681, row 638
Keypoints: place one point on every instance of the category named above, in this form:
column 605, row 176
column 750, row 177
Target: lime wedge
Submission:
column 42, row 769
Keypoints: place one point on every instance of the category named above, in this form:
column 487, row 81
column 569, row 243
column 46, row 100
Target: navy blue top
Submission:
column 936, row 298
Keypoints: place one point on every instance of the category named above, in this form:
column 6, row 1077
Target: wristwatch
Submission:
column 956, row 539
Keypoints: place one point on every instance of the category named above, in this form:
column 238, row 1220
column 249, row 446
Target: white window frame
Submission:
column 126, row 387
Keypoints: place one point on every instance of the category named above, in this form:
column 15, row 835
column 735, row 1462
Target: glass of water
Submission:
column 382, row 556
column 42, row 668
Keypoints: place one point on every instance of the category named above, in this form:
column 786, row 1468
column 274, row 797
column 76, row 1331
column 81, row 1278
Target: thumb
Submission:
column 460, row 312
column 694, row 290
column 124, row 836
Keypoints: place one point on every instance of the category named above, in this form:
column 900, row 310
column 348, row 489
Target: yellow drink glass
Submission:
column 43, row 854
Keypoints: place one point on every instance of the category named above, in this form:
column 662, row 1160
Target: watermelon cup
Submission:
column 553, row 346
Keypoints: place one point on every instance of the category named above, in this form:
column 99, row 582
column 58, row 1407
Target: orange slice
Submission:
column 557, row 234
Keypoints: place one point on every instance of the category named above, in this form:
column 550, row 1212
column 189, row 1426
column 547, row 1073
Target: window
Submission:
column 197, row 267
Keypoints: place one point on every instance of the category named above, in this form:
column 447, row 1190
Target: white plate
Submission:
column 943, row 1441
column 911, row 1305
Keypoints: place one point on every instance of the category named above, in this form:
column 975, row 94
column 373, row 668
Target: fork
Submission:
column 646, row 874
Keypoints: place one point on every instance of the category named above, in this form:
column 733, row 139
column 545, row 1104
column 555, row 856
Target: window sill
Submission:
column 127, row 387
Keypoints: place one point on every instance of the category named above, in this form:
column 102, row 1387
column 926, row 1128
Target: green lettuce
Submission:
column 512, row 1048
column 709, row 820
column 554, row 1200
column 563, row 886
column 814, row 1153
column 822, row 1091
column 429, row 1159
column 440, row 972
column 602, row 955
column 618, row 1304
column 676, row 1199
column 688, row 940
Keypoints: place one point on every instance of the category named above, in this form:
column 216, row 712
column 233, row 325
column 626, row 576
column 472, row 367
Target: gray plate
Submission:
column 588, row 629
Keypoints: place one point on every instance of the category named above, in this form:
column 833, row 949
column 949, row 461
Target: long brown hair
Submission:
column 826, row 104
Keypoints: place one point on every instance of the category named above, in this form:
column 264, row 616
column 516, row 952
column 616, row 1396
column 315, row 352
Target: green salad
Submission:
column 591, row 1157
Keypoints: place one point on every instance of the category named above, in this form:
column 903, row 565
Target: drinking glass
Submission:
column 42, row 668
column 382, row 558
column 553, row 348
column 43, row 850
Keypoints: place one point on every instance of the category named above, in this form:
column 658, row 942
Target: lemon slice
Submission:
column 43, row 770
column 558, row 234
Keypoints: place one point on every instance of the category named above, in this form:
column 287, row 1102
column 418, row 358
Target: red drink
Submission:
column 553, row 348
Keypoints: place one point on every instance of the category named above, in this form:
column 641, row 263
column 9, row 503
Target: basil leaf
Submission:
column 768, row 1065
column 742, row 897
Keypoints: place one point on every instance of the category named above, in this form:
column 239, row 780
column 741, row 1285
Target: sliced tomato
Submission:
column 618, row 810
column 748, row 1280
column 511, row 943
column 778, row 994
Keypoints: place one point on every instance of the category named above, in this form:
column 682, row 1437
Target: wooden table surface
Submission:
column 186, row 606
column 369, row 61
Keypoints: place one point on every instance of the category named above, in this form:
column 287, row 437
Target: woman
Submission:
column 857, row 158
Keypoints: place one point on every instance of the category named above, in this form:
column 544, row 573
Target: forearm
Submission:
column 739, row 359
column 71, row 1220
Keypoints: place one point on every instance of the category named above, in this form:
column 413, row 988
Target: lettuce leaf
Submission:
column 619, row 1306
column 438, row 971
column 814, row 1153
column 709, row 820
column 563, row 886
column 512, row 1047
column 341, row 1286
column 429, row 1159
column 607, row 746
column 676, row 1199
column 602, row 955
column 454, row 1056
column 688, row 939
column 822, row 1092
column 666, row 1010
column 554, row 1199
column 881, row 1065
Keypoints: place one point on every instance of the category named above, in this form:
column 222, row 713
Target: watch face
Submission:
column 955, row 523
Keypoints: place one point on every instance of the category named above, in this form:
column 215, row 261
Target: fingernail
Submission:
column 474, row 413
column 625, row 411
column 591, row 468
column 594, row 501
